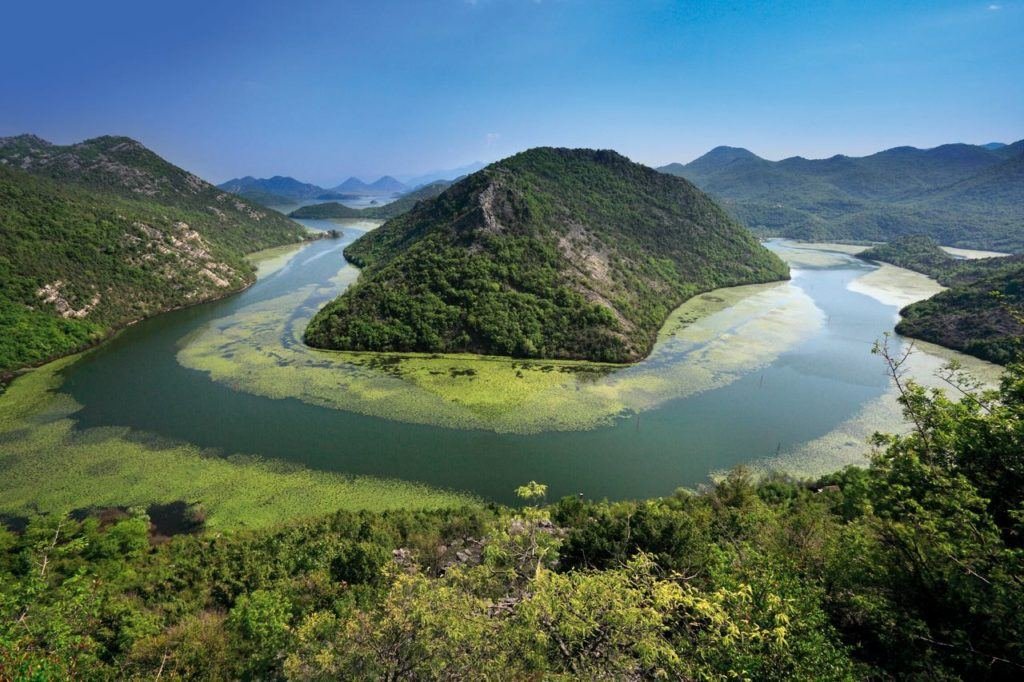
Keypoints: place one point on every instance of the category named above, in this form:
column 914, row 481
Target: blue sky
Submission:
column 323, row 90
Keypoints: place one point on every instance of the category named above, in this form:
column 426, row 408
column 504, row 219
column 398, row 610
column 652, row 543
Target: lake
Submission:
column 776, row 376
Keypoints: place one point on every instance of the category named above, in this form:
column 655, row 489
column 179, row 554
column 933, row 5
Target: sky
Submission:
column 325, row 90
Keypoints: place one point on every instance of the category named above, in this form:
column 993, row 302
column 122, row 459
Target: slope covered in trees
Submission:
column 553, row 253
column 912, row 568
column 959, row 194
column 100, row 233
column 979, row 314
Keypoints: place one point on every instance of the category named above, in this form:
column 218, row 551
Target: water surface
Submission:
column 816, row 385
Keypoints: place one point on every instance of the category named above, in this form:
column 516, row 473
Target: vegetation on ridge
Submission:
column 553, row 253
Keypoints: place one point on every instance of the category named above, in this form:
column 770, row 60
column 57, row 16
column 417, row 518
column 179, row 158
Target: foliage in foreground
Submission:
column 911, row 568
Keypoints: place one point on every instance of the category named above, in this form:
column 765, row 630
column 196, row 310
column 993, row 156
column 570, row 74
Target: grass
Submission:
column 51, row 467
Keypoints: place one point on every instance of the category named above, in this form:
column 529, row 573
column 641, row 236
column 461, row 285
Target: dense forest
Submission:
column 910, row 568
column 552, row 253
column 958, row 194
column 101, row 233
column 978, row 314
column 393, row 209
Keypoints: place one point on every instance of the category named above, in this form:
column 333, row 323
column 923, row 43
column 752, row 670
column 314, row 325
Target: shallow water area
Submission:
column 774, row 375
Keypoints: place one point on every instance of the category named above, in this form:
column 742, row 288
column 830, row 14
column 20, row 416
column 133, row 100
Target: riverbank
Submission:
column 49, row 466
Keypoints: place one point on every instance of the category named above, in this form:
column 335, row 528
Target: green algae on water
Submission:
column 708, row 342
column 51, row 467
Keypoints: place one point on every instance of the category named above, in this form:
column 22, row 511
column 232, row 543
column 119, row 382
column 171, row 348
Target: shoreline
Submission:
column 7, row 376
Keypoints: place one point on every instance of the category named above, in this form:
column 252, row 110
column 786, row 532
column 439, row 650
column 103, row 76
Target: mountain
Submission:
column 981, row 313
column 104, row 232
column 898, row 191
column 272, row 191
column 554, row 253
column 393, row 209
column 383, row 185
column 994, row 145
column 352, row 186
column 387, row 185
column 446, row 174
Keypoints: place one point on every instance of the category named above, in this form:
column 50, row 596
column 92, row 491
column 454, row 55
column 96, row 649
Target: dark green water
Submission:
column 135, row 381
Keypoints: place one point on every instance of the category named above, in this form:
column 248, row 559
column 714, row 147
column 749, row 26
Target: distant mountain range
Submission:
column 402, row 204
column 446, row 174
column 383, row 185
column 282, row 189
column 958, row 194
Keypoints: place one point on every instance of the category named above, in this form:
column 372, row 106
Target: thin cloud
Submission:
column 995, row 8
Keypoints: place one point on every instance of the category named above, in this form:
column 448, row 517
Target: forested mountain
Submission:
column 402, row 204
column 982, row 312
column 959, row 194
column 910, row 569
column 554, row 253
column 101, row 233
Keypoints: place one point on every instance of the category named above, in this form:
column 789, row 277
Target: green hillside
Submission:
column 552, row 253
column 982, row 312
column 960, row 195
column 102, row 233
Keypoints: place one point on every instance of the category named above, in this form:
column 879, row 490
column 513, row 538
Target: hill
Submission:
column 553, row 253
column 982, row 312
column 403, row 204
column 104, row 232
column 270, row 191
column 382, row 185
column 352, row 186
column 387, row 185
column 959, row 194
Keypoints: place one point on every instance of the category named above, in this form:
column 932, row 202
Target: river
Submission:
column 800, row 392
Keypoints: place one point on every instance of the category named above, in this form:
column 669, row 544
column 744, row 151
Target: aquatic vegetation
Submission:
column 848, row 443
column 706, row 343
column 895, row 286
column 49, row 466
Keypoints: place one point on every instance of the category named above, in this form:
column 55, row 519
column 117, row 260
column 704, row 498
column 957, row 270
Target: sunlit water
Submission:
column 822, row 380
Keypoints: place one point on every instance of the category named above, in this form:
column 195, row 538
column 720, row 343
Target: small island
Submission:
column 551, row 253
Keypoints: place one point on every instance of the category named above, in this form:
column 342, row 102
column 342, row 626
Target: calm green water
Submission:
column 805, row 393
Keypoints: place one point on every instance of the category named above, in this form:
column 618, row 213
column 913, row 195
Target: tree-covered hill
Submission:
column 104, row 232
column 403, row 204
column 553, row 253
column 981, row 312
column 910, row 569
column 959, row 194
